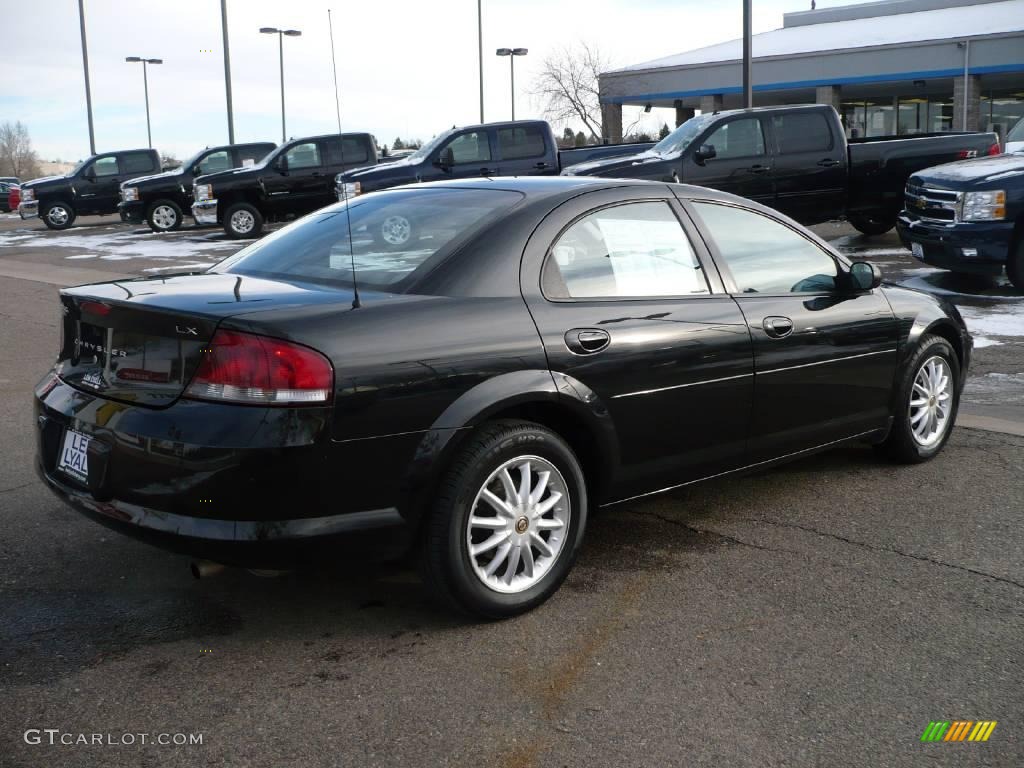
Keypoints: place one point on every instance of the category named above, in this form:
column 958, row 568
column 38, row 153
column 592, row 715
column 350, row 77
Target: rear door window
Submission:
column 347, row 150
column 625, row 251
column 136, row 162
column 521, row 142
column 802, row 132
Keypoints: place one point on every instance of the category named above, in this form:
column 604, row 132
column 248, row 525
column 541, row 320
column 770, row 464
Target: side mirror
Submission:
column 865, row 276
column 446, row 159
column 704, row 153
column 282, row 164
column 196, row 170
column 89, row 174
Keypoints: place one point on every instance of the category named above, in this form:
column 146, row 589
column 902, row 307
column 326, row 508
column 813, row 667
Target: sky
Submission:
column 405, row 67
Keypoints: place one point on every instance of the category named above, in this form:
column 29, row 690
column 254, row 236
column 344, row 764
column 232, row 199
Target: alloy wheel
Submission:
column 58, row 215
column 242, row 222
column 518, row 525
column 164, row 217
column 931, row 401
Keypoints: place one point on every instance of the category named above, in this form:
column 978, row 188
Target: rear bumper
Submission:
column 132, row 212
column 942, row 245
column 256, row 487
column 205, row 212
column 29, row 210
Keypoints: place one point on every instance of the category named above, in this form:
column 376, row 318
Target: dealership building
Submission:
column 889, row 67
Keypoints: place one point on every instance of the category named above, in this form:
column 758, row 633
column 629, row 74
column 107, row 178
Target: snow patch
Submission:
column 994, row 321
column 981, row 341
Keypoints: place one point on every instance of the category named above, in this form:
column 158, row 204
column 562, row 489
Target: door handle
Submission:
column 828, row 162
column 486, row 171
column 777, row 327
column 587, row 341
column 317, row 173
column 758, row 169
column 541, row 166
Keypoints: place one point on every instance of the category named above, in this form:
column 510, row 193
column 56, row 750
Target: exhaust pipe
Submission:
column 204, row 569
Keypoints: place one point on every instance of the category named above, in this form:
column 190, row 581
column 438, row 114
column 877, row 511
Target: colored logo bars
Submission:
column 958, row 730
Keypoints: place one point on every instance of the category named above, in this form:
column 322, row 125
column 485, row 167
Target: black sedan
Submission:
column 542, row 348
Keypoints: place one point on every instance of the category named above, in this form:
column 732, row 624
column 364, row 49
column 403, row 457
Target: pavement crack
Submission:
column 888, row 550
column 708, row 531
column 18, row 487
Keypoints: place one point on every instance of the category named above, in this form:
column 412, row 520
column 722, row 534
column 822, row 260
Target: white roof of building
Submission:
column 941, row 24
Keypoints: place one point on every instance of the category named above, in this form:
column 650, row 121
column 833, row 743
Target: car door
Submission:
column 810, row 166
column 470, row 154
column 824, row 356
column 631, row 317
column 524, row 150
column 97, row 188
column 293, row 182
column 742, row 164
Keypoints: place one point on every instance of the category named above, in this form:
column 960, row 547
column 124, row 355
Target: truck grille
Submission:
column 931, row 204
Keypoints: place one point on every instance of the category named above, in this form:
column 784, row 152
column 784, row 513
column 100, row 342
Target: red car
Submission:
column 13, row 197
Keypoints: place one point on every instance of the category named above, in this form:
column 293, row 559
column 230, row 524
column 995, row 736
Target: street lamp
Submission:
column 145, row 85
column 280, row 50
column 512, row 53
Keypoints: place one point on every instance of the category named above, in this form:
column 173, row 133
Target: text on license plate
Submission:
column 918, row 250
column 74, row 455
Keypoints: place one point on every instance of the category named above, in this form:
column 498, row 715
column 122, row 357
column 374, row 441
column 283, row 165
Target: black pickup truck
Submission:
column 92, row 186
column 797, row 160
column 968, row 216
column 294, row 179
column 517, row 148
column 160, row 200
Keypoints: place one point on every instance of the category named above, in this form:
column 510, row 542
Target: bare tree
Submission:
column 567, row 86
column 17, row 158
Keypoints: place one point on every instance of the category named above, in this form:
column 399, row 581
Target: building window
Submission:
column 1000, row 111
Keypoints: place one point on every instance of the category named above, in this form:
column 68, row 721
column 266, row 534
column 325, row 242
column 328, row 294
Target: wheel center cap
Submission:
column 521, row 525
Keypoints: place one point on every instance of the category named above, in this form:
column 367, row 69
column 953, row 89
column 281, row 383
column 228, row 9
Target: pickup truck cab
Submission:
column 161, row 199
column 92, row 186
column 797, row 160
column 293, row 180
column 516, row 148
column 968, row 217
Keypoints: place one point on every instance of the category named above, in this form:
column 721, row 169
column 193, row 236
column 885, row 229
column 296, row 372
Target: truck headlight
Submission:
column 202, row 192
column 349, row 189
column 984, row 206
column 28, row 195
column 129, row 194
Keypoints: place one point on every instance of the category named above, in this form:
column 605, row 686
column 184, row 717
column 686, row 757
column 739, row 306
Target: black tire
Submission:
column 58, row 215
column 447, row 566
column 1015, row 264
column 394, row 233
column 872, row 224
column 164, row 216
column 234, row 220
column 901, row 445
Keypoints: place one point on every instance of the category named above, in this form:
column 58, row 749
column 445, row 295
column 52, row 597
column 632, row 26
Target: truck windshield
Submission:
column 682, row 136
column 431, row 145
column 396, row 236
column 1017, row 132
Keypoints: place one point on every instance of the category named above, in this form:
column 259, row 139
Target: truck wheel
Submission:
column 242, row 220
column 507, row 521
column 164, row 216
column 872, row 223
column 394, row 233
column 1015, row 265
column 58, row 215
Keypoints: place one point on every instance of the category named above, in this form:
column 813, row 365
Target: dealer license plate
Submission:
column 917, row 250
column 74, row 455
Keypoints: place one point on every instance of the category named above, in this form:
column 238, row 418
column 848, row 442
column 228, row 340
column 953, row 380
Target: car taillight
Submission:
column 994, row 150
column 245, row 368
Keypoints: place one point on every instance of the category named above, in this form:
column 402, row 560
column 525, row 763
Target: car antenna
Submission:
column 341, row 144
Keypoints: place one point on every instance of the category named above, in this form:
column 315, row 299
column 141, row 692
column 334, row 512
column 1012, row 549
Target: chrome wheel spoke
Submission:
column 541, row 545
column 545, row 506
column 527, row 560
column 549, row 524
column 499, row 557
column 488, row 522
column 500, row 505
column 489, row 544
column 513, row 564
column 524, row 483
column 538, row 490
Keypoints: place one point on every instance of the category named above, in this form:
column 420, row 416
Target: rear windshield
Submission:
column 396, row 238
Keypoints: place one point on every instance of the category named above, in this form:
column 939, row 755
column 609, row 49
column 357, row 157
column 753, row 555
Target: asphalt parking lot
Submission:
column 816, row 615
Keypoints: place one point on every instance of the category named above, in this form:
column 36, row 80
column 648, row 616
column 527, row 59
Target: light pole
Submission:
column 512, row 53
column 227, row 69
column 85, row 67
column 480, row 51
column 145, row 85
column 280, row 51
